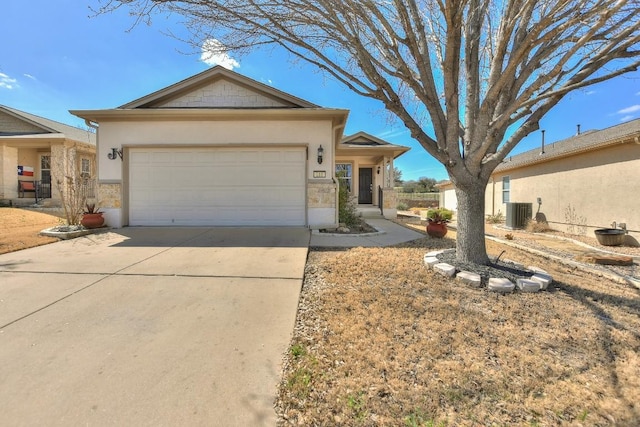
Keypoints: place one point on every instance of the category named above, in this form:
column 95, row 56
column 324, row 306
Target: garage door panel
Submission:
column 217, row 186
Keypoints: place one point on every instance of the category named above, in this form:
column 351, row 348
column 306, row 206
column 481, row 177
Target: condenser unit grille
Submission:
column 518, row 214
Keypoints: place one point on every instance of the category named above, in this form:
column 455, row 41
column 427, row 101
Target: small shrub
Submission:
column 495, row 219
column 509, row 236
column 534, row 226
column 402, row 206
column 347, row 211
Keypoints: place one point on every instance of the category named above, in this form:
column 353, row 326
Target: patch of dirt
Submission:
column 382, row 340
column 19, row 229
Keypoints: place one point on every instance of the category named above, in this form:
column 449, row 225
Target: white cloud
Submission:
column 590, row 92
column 215, row 53
column 626, row 118
column 631, row 109
column 7, row 82
column 29, row 76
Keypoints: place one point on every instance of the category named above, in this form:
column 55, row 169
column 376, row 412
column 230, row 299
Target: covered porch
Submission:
column 39, row 157
column 36, row 167
column 366, row 164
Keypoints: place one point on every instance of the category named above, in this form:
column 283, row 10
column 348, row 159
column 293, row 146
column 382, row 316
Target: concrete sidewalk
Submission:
column 389, row 233
column 149, row 326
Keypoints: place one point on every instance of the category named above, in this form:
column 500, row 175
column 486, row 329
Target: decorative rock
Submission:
column 430, row 261
column 528, row 285
column 433, row 253
column 445, row 269
column 469, row 278
column 606, row 259
column 499, row 284
column 544, row 280
column 534, row 269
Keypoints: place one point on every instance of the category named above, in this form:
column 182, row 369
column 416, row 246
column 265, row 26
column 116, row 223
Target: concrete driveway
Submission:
column 149, row 326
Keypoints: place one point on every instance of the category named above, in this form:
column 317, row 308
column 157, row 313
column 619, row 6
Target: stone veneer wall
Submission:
column 321, row 203
column 389, row 202
column 321, row 194
column 110, row 196
column 8, row 174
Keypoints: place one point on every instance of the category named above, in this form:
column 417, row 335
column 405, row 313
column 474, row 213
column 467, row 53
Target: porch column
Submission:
column 389, row 200
column 8, row 172
column 62, row 161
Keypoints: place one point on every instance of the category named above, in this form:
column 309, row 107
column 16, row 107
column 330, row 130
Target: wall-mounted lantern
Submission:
column 114, row 154
column 378, row 172
column 320, row 154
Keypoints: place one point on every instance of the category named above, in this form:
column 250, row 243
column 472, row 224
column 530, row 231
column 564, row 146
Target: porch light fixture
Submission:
column 114, row 154
column 320, row 154
column 378, row 172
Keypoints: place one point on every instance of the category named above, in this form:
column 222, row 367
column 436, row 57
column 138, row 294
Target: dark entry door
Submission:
column 365, row 186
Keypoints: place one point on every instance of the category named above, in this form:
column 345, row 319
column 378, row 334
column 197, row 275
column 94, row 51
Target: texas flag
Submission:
column 25, row 170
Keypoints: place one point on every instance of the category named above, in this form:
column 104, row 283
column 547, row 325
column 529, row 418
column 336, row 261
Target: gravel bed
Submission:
column 630, row 272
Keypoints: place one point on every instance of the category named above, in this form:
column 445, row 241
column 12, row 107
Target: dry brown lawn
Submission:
column 19, row 229
column 380, row 340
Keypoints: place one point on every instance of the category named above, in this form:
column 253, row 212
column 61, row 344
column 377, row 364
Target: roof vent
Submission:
column 578, row 133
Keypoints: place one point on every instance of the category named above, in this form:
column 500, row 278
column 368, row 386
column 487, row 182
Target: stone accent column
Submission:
column 110, row 202
column 322, row 203
column 110, row 195
column 62, row 160
column 8, row 172
column 389, row 202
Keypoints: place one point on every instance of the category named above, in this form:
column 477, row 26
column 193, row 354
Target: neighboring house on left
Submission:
column 37, row 153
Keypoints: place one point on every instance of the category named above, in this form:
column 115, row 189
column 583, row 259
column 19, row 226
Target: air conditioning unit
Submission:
column 518, row 214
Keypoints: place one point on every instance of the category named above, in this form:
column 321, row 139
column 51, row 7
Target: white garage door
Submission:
column 217, row 186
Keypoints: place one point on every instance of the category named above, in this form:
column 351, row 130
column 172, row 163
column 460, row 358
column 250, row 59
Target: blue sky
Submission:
column 54, row 57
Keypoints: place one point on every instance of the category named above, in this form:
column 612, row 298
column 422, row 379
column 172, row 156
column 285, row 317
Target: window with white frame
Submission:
column 506, row 188
column 85, row 168
column 344, row 173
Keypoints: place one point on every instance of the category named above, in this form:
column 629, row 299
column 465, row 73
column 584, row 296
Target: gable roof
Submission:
column 586, row 141
column 48, row 126
column 364, row 139
column 362, row 142
column 217, row 73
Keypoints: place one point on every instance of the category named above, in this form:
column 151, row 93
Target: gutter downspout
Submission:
column 91, row 124
column 335, row 130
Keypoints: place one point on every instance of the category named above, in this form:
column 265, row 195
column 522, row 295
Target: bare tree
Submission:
column 482, row 73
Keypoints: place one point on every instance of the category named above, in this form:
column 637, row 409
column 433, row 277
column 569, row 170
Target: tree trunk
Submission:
column 470, row 243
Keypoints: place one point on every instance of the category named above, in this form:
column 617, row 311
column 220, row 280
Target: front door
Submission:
column 365, row 186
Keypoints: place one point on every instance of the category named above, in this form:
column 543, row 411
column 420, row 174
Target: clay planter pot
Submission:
column 438, row 230
column 92, row 220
